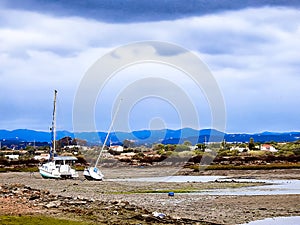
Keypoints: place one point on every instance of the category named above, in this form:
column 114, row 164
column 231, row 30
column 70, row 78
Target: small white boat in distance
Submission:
column 59, row 168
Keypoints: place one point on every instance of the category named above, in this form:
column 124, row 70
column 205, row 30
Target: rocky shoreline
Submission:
column 19, row 199
column 111, row 202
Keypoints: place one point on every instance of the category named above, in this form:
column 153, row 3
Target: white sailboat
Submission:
column 94, row 173
column 58, row 167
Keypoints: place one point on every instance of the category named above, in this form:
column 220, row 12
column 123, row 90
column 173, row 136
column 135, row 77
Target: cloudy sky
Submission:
column 252, row 50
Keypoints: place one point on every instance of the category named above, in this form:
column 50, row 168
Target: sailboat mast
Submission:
column 107, row 135
column 54, row 123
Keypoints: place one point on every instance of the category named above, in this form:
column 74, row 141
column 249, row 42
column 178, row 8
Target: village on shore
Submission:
column 286, row 154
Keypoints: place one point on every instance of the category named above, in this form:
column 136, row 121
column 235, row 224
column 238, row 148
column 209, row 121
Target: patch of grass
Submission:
column 80, row 168
column 198, row 187
column 167, row 191
column 40, row 220
column 163, row 191
column 19, row 169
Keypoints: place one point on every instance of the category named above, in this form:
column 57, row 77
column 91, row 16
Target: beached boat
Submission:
column 57, row 167
column 94, row 173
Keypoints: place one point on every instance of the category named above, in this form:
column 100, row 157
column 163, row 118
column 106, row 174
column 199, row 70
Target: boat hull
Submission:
column 58, row 169
column 49, row 175
column 93, row 173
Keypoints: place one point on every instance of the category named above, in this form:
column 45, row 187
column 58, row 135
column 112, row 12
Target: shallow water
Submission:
column 274, row 187
column 293, row 220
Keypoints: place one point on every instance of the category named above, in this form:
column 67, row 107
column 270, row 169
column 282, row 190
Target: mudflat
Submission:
column 140, row 200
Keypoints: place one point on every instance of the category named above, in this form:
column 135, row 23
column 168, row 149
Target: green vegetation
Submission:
column 181, row 187
column 251, row 144
column 186, row 188
column 223, row 155
column 41, row 220
column 19, row 169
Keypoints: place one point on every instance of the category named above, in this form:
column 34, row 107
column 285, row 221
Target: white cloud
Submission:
column 252, row 52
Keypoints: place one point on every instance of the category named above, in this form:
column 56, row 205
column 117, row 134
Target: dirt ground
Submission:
column 215, row 209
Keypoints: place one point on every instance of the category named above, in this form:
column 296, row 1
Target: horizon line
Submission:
column 173, row 129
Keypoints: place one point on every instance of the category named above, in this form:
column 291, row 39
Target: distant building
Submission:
column 193, row 147
column 11, row 157
column 268, row 147
column 128, row 154
column 117, row 148
column 76, row 147
column 240, row 149
column 107, row 155
column 42, row 157
column 208, row 150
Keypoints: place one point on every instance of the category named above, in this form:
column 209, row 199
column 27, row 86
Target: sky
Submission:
column 251, row 48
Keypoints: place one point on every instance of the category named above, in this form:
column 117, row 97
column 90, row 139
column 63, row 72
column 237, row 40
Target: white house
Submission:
column 41, row 157
column 116, row 148
column 268, row 147
column 240, row 149
column 76, row 147
column 11, row 157
column 193, row 147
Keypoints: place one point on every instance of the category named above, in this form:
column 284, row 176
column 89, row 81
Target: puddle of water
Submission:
column 293, row 220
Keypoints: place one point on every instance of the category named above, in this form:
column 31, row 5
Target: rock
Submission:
column 17, row 191
column 45, row 192
column 91, row 200
column 262, row 208
column 130, row 208
column 34, row 197
column 76, row 202
column 123, row 203
column 115, row 212
column 54, row 204
column 159, row 215
column 145, row 215
column 80, row 197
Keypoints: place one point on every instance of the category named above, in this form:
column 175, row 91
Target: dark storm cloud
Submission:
column 120, row 11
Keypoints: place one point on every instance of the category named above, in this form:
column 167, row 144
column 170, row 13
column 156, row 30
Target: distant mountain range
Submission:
column 165, row 136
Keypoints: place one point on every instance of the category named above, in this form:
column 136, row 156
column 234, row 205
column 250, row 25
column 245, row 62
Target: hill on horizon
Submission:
column 165, row 136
